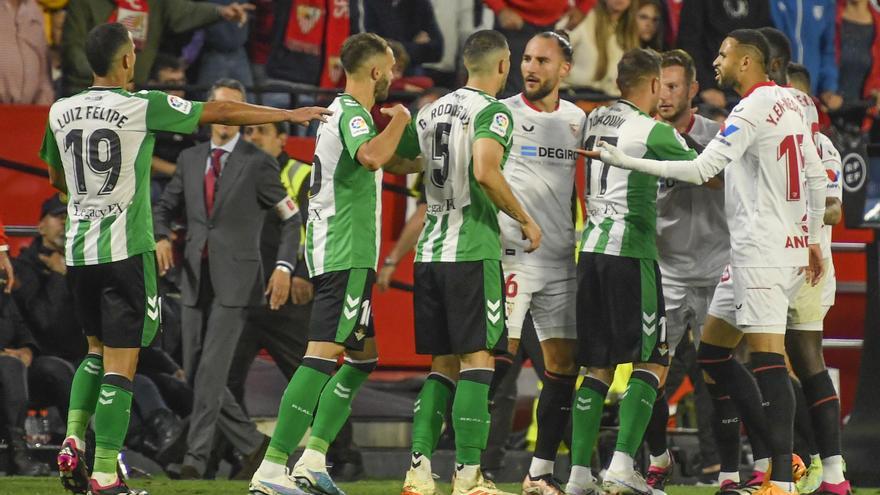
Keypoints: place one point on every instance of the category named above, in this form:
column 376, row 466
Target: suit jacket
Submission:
column 249, row 184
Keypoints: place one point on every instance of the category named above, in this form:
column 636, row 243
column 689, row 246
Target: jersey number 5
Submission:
column 440, row 154
column 102, row 154
column 603, row 172
column 790, row 149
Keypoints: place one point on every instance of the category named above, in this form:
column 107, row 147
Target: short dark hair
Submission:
column 480, row 44
column 798, row 71
column 562, row 39
column 754, row 39
column 359, row 48
column 680, row 58
column 778, row 43
column 166, row 61
column 282, row 127
column 102, row 45
column 228, row 82
column 637, row 64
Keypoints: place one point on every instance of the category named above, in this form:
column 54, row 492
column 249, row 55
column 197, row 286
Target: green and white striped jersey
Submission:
column 461, row 223
column 345, row 199
column 622, row 204
column 102, row 140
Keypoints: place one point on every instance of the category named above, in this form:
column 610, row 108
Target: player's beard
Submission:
column 380, row 92
column 542, row 91
column 725, row 82
column 679, row 110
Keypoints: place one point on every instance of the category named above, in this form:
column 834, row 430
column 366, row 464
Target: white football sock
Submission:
column 762, row 465
column 540, row 467
column 313, row 459
column 661, row 461
column 621, row 463
column 832, row 470
column 722, row 477
column 269, row 469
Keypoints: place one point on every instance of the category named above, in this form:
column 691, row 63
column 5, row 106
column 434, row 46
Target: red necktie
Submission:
column 212, row 179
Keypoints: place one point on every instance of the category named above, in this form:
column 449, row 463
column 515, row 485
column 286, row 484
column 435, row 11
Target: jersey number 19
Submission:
column 102, row 155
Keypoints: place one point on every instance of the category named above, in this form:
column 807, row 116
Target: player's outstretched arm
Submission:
column 697, row 171
column 237, row 113
column 376, row 152
column 488, row 154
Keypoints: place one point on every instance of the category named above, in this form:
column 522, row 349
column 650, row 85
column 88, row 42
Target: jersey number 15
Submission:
column 790, row 149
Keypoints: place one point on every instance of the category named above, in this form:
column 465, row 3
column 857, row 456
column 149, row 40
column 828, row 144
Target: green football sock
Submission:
column 84, row 395
column 635, row 411
column 470, row 415
column 586, row 417
column 111, row 421
column 297, row 407
column 429, row 412
column 334, row 406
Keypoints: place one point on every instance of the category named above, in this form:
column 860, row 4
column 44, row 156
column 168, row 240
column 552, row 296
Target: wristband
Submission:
column 389, row 262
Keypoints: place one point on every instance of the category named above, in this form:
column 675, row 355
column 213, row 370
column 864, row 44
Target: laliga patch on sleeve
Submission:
column 358, row 126
column 500, row 124
column 179, row 104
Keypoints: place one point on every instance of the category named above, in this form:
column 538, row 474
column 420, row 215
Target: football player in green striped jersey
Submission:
column 342, row 249
column 620, row 306
column 98, row 146
column 458, row 299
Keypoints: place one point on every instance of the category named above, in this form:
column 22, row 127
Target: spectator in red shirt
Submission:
column 519, row 20
column 5, row 265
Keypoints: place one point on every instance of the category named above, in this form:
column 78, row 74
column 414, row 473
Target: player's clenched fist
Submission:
column 532, row 232
column 395, row 111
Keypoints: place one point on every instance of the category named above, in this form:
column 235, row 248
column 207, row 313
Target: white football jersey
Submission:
column 540, row 170
column 811, row 113
column 831, row 162
column 693, row 243
column 766, row 137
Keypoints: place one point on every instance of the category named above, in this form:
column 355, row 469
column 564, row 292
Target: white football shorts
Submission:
column 548, row 292
column 756, row 299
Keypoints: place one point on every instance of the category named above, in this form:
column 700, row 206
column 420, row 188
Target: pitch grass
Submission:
column 163, row 486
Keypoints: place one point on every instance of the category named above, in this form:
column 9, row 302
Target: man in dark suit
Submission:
column 223, row 187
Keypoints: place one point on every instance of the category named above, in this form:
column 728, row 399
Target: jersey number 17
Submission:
column 603, row 170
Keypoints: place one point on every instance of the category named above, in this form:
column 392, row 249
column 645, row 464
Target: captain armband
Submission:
column 286, row 208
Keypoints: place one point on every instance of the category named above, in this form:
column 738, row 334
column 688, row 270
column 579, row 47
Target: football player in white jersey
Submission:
column 804, row 335
column 540, row 170
column 771, row 243
column 693, row 246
